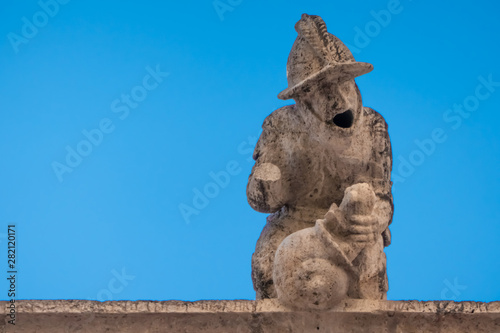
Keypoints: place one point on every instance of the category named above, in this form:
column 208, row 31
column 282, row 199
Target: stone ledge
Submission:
column 250, row 316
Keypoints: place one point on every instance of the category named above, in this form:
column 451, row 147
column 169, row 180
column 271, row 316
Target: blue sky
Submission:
column 173, row 94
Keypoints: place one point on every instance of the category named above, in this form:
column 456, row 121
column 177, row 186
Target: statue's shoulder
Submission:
column 374, row 118
column 281, row 119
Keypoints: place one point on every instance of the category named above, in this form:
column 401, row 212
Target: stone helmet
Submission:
column 318, row 55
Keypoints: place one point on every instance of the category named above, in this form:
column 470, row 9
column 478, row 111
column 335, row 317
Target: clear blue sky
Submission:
column 112, row 228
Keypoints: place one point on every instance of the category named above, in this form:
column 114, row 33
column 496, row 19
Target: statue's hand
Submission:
column 362, row 228
column 355, row 219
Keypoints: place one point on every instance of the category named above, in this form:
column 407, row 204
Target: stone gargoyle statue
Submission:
column 323, row 169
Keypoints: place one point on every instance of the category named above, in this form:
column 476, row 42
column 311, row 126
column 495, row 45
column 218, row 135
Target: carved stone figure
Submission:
column 323, row 169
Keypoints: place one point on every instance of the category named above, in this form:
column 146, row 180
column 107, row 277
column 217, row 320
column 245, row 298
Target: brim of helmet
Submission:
column 335, row 74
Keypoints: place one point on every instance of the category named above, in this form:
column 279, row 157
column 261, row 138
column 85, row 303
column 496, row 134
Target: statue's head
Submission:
column 321, row 72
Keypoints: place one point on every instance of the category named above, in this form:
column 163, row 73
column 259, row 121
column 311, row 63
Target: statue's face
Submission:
column 338, row 105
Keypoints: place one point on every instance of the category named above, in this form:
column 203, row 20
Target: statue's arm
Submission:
column 367, row 207
column 384, row 205
column 267, row 190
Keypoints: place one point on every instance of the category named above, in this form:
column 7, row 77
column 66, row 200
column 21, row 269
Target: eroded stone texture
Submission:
column 241, row 316
column 322, row 168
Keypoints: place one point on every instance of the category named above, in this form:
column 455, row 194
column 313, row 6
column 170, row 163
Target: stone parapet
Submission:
column 241, row 316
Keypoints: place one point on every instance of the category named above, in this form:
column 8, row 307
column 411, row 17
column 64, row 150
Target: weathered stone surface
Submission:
column 323, row 169
column 265, row 316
